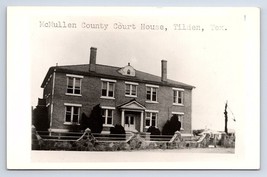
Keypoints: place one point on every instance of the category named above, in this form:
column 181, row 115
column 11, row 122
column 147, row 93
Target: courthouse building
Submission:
column 134, row 99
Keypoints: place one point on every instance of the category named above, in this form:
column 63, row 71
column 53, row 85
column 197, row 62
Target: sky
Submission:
column 211, row 60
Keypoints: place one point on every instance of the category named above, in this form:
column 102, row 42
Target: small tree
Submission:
column 40, row 118
column 171, row 126
column 166, row 129
column 94, row 122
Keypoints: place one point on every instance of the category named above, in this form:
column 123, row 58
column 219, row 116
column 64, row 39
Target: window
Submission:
column 107, row 116
column 72, row 114
column 151, row 119
column 178, row 96
column 128, row 72
column 74, row 84
column 108, row 88
column 131, row 89
column 180, row 116
column 151, row 93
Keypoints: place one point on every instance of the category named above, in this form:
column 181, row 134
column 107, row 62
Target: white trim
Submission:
column 71, row 123
column 181, row 119
column 58, row 130
column 108, row 80
column 132, row 96
column 150, row 118
column 177, row 104
column 48, row 104
column 126, row 106
column 156, row 111
column 131, row 89
column 107, row 107
column 180, row 113
column 106, row 97
column 73, row 104
column 106, row 117
column 148, row 101
column 108, row 125
column 177, row 97
column 73, row 75
column 179, row 89
column 105, row 132
column 131, row 83
column 73, row 94
column 149, row 85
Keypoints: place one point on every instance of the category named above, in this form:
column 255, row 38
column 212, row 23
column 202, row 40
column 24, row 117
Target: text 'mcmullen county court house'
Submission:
column 134, row 99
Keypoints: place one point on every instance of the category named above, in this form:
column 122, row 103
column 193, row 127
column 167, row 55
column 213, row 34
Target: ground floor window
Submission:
column 107, row 116
column 151, row 119
column 72, row 114
column 180, row 116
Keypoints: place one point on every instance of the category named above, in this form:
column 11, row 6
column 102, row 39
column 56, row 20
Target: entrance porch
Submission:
column 132, row 116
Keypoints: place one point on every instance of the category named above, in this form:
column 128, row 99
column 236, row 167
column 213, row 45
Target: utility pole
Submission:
column 226, row 118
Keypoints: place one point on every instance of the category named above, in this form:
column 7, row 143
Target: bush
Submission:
column 153, row 130
column 171, row 126
column 118, row 131
column 153, row 133
column 94, row 122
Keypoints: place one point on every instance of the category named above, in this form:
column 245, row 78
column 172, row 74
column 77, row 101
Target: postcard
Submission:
column 133, row 88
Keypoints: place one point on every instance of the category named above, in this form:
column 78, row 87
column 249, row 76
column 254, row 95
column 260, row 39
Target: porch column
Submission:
column 122, row 117
column 142, row 122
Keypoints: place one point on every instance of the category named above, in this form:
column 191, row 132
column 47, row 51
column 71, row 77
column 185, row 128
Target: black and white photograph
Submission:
column 124, row 86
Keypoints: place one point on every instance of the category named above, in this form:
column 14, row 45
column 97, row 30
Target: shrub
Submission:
column 118, row 131
column 171, row 126
column 153, row 130
column 94, row 122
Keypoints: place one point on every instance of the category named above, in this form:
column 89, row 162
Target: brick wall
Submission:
column 91, row 93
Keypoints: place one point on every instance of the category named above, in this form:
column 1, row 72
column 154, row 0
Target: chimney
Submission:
column 92, row 59
column 164, row 70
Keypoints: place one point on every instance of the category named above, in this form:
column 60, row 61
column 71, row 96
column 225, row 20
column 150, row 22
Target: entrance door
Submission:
column 129, row 123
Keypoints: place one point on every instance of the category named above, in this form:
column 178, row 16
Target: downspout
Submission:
column 52, row 100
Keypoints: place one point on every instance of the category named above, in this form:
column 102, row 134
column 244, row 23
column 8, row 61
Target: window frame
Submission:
column 72, row 106
column 180, row 116
column 73, row 84
column 150, row 118
column 108, row 83
column 149, row 88
column 105, row 116
column 131, row 85
column 175, row 99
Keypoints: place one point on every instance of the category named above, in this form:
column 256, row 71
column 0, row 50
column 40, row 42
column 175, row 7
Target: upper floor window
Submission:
column 151, row 93
column 151, row 119
column 108, row 88
column 72, row 113
column 74, row 84
column 107, row 116
column 131, row 89
column 178, row 96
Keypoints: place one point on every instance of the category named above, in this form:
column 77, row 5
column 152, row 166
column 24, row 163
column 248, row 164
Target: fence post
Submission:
column 36, row 139
column 177, row 137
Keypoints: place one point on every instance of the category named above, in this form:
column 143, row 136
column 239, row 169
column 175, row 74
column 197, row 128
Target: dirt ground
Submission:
column 197, row 150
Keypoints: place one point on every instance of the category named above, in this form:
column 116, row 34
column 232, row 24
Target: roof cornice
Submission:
column 124, row 78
